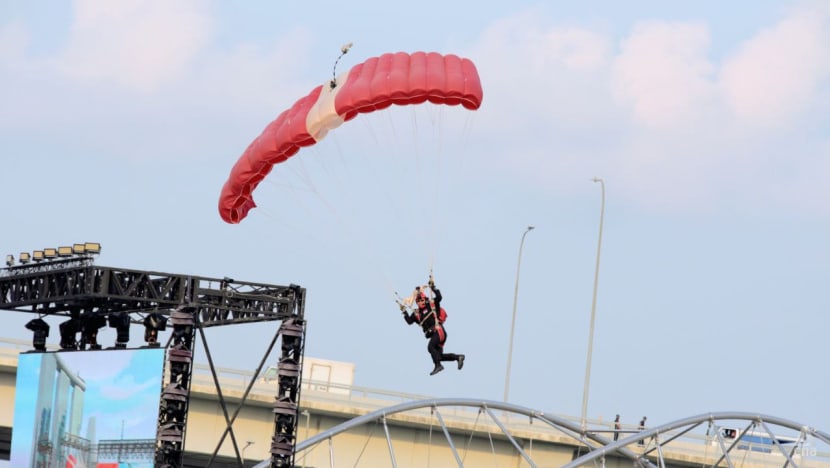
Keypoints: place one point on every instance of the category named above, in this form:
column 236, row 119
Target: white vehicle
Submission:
column 756, row 441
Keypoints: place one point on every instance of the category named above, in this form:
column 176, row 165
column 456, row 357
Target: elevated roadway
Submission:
column 434, row 433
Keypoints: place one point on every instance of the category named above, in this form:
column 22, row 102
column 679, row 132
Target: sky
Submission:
column 709, row 124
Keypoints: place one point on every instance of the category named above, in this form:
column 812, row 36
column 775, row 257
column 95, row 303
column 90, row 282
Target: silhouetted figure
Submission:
column 641, row 428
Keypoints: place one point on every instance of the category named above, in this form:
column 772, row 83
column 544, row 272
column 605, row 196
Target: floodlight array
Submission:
column 83, row 251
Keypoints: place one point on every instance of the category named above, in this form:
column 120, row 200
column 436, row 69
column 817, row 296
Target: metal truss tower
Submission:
column 91, row 296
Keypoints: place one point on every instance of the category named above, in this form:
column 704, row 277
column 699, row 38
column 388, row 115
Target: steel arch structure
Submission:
column 757, row 430
column 786, row 440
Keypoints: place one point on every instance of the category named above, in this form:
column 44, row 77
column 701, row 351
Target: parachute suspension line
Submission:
column 375, row 132
column 454, row 85
column 429, row 174
column 298, row 167
column 306, row 185
column 343, row 51
column 438, row 189
column 424, row 188
column 386, row 195
column 465, row 139
column 302, row 174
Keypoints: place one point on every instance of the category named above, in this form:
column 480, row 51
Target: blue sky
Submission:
column 708, row 123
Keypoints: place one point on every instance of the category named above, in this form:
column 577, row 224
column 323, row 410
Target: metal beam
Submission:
column 69, row 287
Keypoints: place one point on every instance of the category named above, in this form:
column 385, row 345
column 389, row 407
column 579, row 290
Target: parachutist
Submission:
column 431, row 316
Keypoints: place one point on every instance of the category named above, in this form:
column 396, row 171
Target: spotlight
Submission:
column 69, row 333
column 64, row 251
column 78, row 249
column 37, row 256
column 25, row 258
column 153, row 324
column 121, row 322
column 41, row 331
column 92, row 247
column 92, row 322
column 9, row 260
column 50, row 253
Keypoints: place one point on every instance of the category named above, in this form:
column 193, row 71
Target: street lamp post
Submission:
column 513, row 323
column 247, row 444
column 593, row 311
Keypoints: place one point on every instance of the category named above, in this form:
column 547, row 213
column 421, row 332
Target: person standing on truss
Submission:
column 431, row 316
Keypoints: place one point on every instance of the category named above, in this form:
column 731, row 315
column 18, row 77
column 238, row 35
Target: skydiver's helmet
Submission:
column 421, row 300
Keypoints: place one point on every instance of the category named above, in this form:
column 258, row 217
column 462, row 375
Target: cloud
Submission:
column 662, row 72
column 774, row 76
column 97, row 367
column 654, row 110
column 13, row 40
column 661, row 114
column 125, row 387
column 554, row 74
column 135, row 43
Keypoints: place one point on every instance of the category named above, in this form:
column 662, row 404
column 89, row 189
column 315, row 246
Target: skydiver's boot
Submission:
column 460, row 361
column 438, row 368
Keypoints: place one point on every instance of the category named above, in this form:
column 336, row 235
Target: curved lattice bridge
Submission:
column 468, row 432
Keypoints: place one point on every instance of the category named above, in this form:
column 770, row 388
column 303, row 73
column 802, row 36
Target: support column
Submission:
column 175, row 394
column 286, row 406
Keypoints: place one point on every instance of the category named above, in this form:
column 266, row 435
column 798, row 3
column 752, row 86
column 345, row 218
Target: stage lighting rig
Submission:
column 121, row 322
column 69, row 333
column 41, row 331
column 92, row 322
column 153, row 324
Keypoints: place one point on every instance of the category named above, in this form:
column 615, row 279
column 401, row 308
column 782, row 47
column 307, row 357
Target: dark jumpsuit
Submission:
column 433, row 331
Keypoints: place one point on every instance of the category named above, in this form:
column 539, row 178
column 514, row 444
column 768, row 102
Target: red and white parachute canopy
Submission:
column 398, row 78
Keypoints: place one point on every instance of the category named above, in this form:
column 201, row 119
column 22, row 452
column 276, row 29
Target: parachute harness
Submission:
column 405, row 304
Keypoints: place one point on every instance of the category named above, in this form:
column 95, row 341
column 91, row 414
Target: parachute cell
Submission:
column 379, row 82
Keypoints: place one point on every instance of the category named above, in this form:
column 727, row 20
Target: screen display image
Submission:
column 90, row 409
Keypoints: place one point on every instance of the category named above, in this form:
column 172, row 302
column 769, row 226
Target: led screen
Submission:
column 91, row 409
